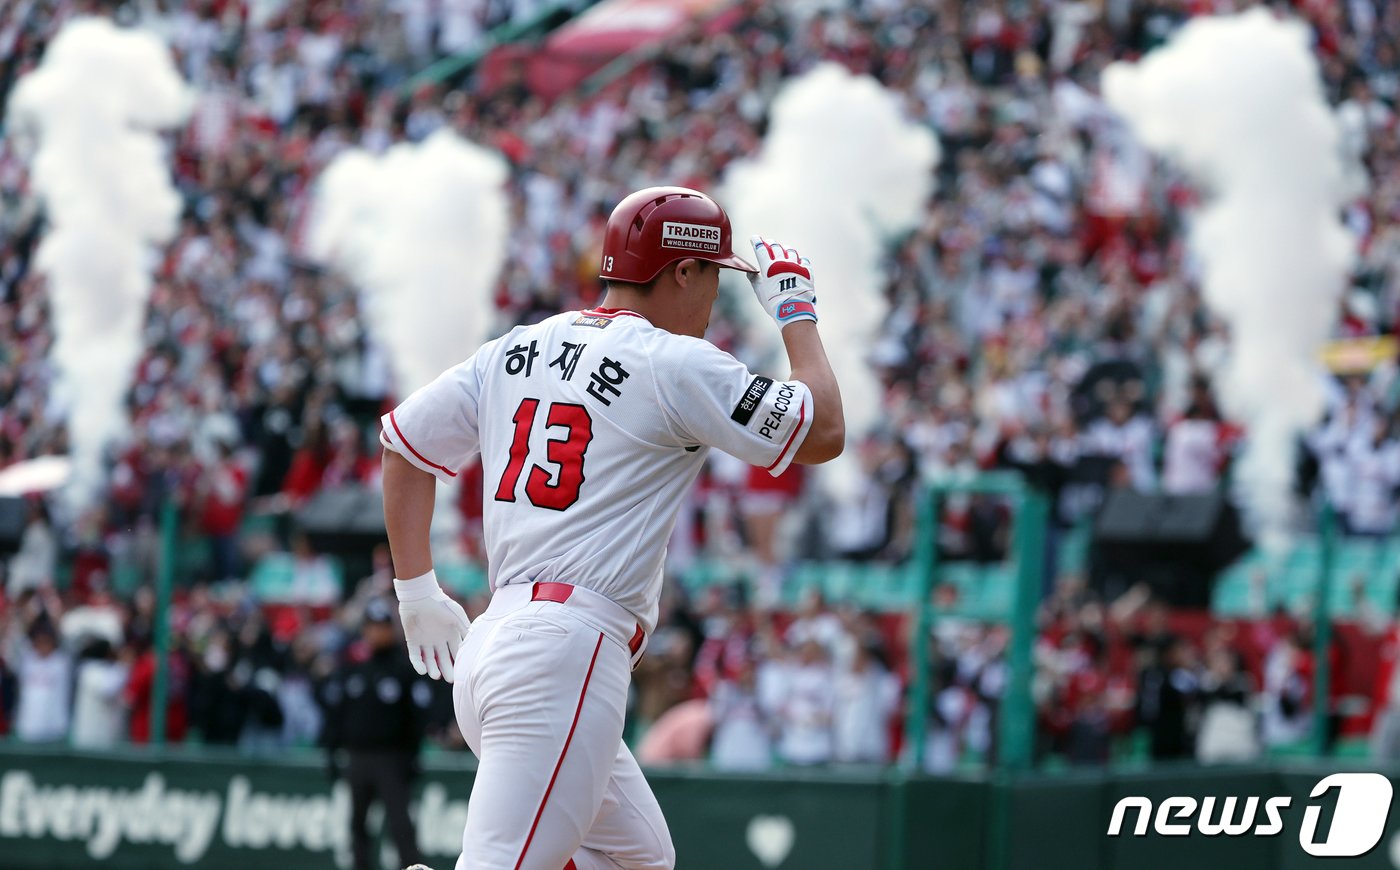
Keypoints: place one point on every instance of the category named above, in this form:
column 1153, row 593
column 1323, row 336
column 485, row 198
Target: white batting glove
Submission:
column 433, row 625
column 783, row 282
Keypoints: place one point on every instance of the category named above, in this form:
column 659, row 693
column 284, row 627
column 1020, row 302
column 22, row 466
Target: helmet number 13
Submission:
column 607, row 263
column 553, row 490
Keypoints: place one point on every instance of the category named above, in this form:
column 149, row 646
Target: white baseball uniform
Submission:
column 591, row 426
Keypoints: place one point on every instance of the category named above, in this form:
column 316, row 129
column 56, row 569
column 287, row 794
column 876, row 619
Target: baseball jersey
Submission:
column 591, row 426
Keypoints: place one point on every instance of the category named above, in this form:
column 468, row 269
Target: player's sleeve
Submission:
column 436, row 428
column 710, row 398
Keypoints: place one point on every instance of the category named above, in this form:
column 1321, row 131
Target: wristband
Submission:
column 417, row 588
column 791, row 312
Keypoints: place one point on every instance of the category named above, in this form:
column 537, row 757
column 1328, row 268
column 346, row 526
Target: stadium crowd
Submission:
column 741, row 686
column 1043, row 316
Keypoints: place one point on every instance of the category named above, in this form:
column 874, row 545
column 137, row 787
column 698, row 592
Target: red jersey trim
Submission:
column 421, row 458
column 801, row 418
column 612, row 312
column 560, row 763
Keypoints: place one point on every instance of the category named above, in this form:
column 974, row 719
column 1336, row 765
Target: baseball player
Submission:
column 590, row 426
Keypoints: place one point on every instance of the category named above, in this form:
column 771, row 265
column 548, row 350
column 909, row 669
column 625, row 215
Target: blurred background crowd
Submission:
column 1044, row 317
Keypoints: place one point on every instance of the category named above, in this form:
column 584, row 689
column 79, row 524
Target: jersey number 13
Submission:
column 566, row 453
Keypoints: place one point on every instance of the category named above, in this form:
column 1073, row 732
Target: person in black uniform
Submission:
column 375, row 714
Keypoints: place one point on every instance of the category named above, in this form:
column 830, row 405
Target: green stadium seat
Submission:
column 998, row 591
column 463, row 578
column 126, row 577
column 1231, row 596
column 272, row 580
column 1074, row 550
column 191, row 559
column 1292, row 579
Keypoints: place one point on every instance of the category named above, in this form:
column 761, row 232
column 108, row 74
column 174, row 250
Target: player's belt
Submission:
column 559, row 593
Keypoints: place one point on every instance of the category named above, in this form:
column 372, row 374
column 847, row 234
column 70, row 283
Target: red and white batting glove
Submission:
column 433, row 625
column 783, row 282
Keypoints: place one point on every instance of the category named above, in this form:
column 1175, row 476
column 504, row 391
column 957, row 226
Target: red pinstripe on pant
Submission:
column 583, row 693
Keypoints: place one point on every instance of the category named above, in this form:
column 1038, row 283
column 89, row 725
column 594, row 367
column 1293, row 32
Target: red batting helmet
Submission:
column 655, row 227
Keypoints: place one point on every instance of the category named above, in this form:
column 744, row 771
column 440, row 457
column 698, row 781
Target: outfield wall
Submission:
column 186, row 808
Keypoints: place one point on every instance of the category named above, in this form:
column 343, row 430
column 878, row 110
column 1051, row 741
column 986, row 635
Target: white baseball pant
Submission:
column 540, row 691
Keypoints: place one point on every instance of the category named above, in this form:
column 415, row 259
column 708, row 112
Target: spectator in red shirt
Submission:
column 308, row 464
column 220, row 498
column 349, row 463
column 140, row 689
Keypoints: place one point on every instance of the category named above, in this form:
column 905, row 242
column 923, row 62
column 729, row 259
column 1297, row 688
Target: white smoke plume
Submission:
column 421, row 231
column 94, row 107
column 841, row 173
column 1237, row 103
